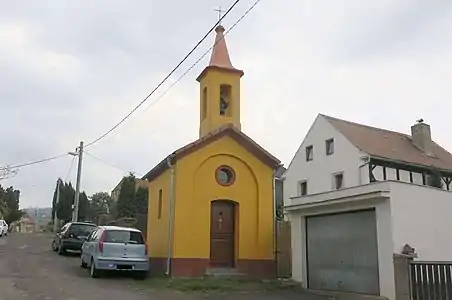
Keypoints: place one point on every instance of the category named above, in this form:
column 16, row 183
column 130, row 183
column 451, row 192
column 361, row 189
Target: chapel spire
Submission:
column 220, row 54
column 219, row 89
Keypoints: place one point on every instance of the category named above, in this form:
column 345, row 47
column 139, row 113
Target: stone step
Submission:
column 223, row 272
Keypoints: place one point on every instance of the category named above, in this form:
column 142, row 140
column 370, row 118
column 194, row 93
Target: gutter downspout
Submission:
column 171, row 217
column 275, row 224
column 360, row 179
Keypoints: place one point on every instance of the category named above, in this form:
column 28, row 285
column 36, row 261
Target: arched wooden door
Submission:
column 222, row 234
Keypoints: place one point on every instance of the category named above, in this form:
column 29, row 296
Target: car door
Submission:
column 61, row 233
column 91, row 249
column 86, row 245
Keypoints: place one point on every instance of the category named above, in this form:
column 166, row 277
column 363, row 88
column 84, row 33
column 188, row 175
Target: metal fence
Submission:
column 431, row 280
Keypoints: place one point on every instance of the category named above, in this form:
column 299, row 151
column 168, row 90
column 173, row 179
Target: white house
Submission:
column 356, row 195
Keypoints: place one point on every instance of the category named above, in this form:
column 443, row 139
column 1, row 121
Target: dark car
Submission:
column 72, row 236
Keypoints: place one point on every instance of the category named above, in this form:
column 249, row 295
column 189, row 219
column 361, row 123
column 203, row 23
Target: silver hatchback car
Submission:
column 113, row 248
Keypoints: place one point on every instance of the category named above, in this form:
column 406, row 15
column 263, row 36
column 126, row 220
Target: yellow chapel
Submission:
column 211, row 203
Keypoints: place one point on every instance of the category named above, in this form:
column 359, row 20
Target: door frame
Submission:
column 235, row 214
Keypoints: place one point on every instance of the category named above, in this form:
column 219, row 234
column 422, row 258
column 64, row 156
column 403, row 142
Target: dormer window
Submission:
column 329, row 146
column 309, row 153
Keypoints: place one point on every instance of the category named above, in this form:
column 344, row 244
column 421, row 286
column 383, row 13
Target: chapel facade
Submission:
column 211, row 203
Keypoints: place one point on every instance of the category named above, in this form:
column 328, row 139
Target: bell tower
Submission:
column 219, row 89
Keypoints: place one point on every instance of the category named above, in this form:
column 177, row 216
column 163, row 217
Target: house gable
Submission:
column 319, row 172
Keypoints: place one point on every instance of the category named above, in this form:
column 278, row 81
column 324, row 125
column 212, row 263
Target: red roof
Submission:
column 391, row 145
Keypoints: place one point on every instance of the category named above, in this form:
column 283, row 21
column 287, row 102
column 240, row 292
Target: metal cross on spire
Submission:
column 220, row 11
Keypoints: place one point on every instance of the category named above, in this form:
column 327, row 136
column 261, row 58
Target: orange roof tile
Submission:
column 391, row 145
column 220, row 55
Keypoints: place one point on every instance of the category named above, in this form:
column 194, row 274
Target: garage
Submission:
column 342, row 252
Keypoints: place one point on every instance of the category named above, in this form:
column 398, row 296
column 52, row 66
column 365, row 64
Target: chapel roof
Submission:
column 225, row 130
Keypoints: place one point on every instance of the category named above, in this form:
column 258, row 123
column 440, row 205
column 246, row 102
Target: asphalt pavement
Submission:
column 30, row 270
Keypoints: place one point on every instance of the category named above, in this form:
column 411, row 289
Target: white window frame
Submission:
column 334, row 180
column 311, row 148
column 299, row 187
column 330, row 142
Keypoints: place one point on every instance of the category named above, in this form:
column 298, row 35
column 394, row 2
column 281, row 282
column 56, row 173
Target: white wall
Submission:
column 417, row 215
column 319, row 171
column 422, row 218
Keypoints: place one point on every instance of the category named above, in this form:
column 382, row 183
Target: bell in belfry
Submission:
column 223, row 105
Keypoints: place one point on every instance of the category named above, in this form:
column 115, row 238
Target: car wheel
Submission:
column 54, row 247
column 141, row 275
column 61, row 250
column 93, row 272
column 82, row 263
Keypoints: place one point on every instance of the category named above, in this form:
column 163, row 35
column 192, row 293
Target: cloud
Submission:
column 71, row 70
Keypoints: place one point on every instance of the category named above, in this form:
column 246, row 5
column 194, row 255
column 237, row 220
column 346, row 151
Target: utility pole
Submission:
column 55, row 217
column 79, row 153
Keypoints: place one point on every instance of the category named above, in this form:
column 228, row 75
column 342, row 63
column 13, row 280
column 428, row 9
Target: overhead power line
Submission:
column 8, row 173
column 164, row 79
column 105, row 162
column 4, row 169
column 201, row 57
column 32, row 162
column 70, row 169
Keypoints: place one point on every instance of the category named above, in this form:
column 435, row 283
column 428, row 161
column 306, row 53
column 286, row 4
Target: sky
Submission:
column 70, row 70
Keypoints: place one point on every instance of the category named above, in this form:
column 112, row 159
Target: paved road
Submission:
column 29, row 270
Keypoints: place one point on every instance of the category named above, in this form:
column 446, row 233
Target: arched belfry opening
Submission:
column 225, row 100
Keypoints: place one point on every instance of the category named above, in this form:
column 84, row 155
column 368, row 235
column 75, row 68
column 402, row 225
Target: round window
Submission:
column 225, row 175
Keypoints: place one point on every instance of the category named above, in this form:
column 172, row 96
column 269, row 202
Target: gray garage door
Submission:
column 342, row 252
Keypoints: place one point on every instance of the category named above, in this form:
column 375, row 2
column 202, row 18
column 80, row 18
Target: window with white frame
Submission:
column 329, row 146
column 338, row 181
column 309, row 153
column 303, row 188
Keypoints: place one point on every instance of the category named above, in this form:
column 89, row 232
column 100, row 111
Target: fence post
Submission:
column 402, row 276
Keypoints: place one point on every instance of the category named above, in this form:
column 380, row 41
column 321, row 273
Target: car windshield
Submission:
column 82, row 229
column 123, row 236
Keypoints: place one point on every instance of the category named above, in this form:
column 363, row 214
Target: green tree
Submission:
column 3, row 206
column 126, row 206
column 141, row 200
column 64, row 206
column 87, row 207
column 84, row 212
column 54, row 200
column 9, row 204
column 101, row 203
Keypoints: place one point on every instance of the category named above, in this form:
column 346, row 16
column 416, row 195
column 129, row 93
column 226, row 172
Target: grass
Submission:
column 211, row 284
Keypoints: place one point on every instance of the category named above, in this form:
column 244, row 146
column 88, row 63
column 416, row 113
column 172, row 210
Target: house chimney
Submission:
column 421, row 136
